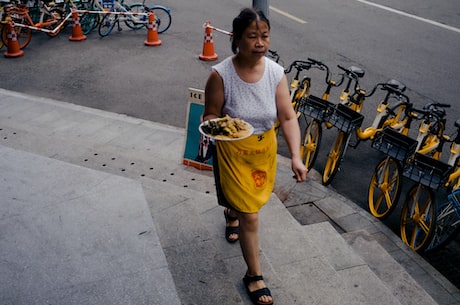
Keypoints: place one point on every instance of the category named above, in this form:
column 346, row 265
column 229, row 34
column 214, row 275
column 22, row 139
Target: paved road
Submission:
column 415, row 42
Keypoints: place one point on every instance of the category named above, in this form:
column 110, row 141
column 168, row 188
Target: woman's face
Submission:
column 255, row 40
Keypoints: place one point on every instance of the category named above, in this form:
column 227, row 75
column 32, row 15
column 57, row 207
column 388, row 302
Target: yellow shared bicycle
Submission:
column 347, row 117
column 418, row 215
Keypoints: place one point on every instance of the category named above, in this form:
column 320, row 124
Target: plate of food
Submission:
column 226, row 129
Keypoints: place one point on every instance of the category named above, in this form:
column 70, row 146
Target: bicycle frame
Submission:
column 385, row 184
column 431, row 136
column 397, row 121
column 297, row 84
column 418, row 222
column 354, row 102
column 453, row 181
column 22, row 13
column 298, row 89
column 447, row 222
column 114, row 9
column 125, row 14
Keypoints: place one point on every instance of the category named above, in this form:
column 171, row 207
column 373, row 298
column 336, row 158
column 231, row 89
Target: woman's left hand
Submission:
column 299, row 169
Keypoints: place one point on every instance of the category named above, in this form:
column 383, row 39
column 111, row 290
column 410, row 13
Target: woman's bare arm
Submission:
column 213, row 97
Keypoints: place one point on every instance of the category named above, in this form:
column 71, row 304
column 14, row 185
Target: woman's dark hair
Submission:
column 242, row 21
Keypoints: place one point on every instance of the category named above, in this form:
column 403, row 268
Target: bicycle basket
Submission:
column 345, row 119
column 316, row 107
column 394, row 144
column 108, row 5
column 427, row 171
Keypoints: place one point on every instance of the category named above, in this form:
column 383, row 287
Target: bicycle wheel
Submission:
column 310, row 143
column 384, row 188
column 136, row 22
column 334, row 158
column 89, row 21
column 418, row 218
column 447, row 226
column 24, row 35
column 58, row 16
column 107, row 24
column 162, row 18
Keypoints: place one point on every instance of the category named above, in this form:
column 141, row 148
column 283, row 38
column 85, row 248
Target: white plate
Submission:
column 221, row 137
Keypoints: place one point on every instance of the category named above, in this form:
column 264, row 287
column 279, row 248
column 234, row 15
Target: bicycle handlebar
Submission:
column 435, row 106
column 431, row 112
column 321, row 66
column 273, row 54
column 352, row 72
column 456, row 139
column 392, row 86
column 300, row 65
column 318, row 64
column 409, row 109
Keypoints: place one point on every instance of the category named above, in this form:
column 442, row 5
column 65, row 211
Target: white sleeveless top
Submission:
column 253, row 102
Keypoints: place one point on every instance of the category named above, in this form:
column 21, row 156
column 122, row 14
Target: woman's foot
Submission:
column 258, row 292
column 232, row 226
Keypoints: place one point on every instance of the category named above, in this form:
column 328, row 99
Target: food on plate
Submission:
column 227, row 127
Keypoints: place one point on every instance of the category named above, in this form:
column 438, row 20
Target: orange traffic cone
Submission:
column 152, row 32
column 77, row 32
column 208, row 45
column 12, row 43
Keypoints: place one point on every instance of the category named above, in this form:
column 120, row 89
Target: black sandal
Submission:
column 256, row 294
column 230, row 230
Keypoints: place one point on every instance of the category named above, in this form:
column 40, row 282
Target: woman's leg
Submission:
column 249, row 242
column 231, row 225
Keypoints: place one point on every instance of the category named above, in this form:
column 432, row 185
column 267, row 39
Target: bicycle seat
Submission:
column 357, row 71
column 457, row 123
column 303, row 65
column 352, row 71
column 395, row 86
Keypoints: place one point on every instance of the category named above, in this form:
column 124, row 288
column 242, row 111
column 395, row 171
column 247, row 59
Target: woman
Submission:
column 249, row 86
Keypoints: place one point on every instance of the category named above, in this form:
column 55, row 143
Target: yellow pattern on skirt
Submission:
column 247, row 170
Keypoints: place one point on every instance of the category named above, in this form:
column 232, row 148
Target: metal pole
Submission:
column 261, row 5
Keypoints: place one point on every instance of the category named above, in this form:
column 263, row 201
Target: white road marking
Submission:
column 287, row 15
column 451, row 28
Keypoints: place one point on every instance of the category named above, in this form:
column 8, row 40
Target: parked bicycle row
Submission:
column 52, row 17
column 425, row 223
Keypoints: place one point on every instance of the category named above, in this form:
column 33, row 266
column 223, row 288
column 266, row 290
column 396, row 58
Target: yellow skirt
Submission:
column 247, row 170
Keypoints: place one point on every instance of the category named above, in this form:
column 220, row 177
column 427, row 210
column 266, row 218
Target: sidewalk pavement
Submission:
column 98, row 209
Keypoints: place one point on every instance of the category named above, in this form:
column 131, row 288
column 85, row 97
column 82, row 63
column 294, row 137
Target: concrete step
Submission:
column 73, row 235
column 390, row 272
column 206, row 269
column 302, row 264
